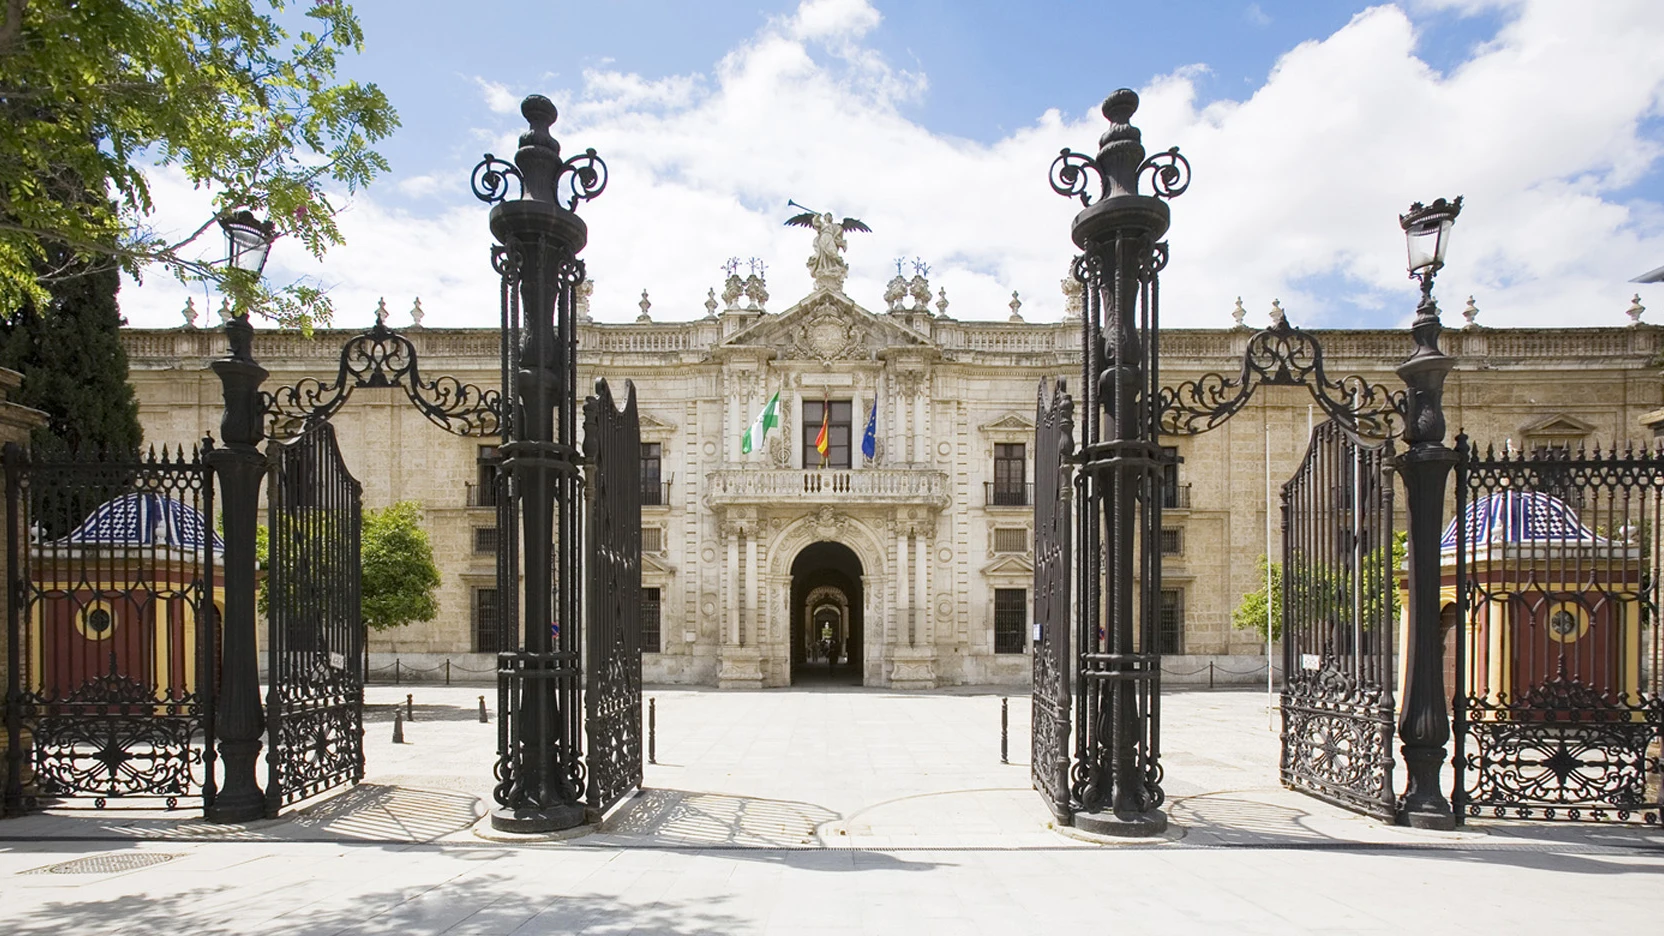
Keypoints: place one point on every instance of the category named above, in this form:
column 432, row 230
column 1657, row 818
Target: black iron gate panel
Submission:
column 612, row 689
column 1338, row 608
column 315, row 626
column 111, row 656
column 1557, row 649
column 1053, row 445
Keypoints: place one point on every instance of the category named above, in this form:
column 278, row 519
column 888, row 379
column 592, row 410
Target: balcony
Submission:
column 655, row 493
column 1175, row 497
column 1005, row 494
column 736, row 486
column 482, row 495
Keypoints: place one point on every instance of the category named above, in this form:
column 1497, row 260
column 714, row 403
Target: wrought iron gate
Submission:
column 1053, row 445
column 315, row 627
column 111, row 656
column 1339, row 601
column 1557, row 651
column 612, row 685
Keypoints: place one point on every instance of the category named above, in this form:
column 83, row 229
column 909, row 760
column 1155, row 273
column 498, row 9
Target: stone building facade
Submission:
column 909, row 569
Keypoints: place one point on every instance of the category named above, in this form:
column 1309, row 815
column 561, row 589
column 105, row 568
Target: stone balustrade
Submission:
column 917, row 486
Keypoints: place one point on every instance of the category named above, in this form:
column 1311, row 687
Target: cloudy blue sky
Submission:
column 1310, row 125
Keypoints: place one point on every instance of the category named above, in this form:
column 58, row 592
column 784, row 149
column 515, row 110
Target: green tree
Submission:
column 1250, row 613
column 1326, row 586
column 96, row 89
column 400, row 576
column 74, row 367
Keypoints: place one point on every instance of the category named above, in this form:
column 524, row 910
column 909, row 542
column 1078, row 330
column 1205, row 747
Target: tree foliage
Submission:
column 1250, row 613
column 400, row 576
column 93, row 90
column 74, row 367
column 1327, row 590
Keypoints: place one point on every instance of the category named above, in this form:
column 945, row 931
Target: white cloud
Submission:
column 1295, row 195
column 498, row 97
column 1256, row 16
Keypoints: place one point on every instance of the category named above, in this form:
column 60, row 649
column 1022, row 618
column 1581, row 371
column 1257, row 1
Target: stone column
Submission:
column 733, row 537
column 753, row 590
column 15, row 423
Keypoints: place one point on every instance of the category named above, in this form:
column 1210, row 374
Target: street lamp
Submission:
column 1427, row 235
column 248, row 240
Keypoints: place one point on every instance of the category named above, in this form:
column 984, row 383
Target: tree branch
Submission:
column 12, row 26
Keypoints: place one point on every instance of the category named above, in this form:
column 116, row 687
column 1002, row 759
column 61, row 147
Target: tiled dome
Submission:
column 144, row 519
column 1521, row 517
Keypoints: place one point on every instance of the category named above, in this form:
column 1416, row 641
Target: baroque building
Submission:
column 807, row 558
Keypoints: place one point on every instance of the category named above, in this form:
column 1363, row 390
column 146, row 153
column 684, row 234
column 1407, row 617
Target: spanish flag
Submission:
column 825, row 422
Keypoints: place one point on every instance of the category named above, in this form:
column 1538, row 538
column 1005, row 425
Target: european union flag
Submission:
column 869, row 441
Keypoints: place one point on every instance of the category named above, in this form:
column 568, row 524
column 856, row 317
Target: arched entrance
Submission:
column 827, row 646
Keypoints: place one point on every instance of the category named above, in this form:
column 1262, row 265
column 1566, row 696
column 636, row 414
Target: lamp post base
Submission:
column 1136, row 825
column 535, row 821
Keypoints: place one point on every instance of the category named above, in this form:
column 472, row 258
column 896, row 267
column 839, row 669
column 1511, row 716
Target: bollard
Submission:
column 483, row 719
column 652, row 730
column 395, row 671
column 447, row 671
column 409, row 708
column 1210, row 674
column 398, row 727
column 1005, row 730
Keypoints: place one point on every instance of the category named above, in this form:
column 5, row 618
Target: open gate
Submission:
column 1554, row 635
column 612, row 668
column 1053, row 444
column 111, row 658
column 1338, row 607
column 315, row 627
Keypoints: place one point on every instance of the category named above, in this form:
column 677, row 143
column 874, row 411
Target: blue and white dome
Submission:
column 144, row 519
column 1521, row 517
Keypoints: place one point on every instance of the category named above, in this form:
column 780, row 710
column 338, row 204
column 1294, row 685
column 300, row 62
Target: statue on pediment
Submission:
column 825, row 265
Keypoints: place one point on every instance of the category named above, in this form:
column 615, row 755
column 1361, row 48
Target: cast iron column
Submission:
column 240, row 466
column 1119, row 234
column 542, row 762
column 1425, row 467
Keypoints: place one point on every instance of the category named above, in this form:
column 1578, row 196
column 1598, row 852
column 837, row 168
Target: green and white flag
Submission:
column 766, row 420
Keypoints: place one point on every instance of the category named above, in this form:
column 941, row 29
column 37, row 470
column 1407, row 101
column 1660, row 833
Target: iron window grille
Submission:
column 1010, row 618
column 652, row 539
column 1170, row 637
column 650, row 620
column 486, row 634
column 1172, row 541
column 1010, row 540
column 485, row 540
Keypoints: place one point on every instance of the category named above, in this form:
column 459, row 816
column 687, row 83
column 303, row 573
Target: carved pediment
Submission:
column 652, row 426
column 827, row 326
column 1558, row 425
column 1009, row 565
column 1009, row 423
column 651, row 565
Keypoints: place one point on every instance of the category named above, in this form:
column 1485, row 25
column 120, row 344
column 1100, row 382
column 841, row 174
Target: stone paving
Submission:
column 823, row 811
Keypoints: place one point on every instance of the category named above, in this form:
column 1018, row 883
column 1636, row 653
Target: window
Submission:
column 1010, row 540
column 488, row 464
column 652, row 493
column 650, row 620
column 1010, row 616
column 1010, row 475
column 485, row 621
column 1171, row 623
column 837, row 433
column 652, row 539
column 1172, row 541
column 485, row 540
column 1173, row 494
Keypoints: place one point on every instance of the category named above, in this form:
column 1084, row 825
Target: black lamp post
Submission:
column 240, row 465
column 1425, row 467
column 540, row 747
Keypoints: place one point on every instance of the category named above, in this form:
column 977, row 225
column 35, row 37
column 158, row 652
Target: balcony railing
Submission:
column 1175, row 497
column 482, row 495
column 1007, row 494
column 655, row 493
column 864, row 486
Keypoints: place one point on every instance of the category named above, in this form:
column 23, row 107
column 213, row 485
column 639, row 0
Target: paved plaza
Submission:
column 818, row 811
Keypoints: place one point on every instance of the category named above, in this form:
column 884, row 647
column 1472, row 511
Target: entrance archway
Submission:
column 827, row 645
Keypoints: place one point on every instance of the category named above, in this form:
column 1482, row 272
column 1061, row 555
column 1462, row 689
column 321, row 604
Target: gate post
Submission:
column 240, row 466
column 539, row 761
column 1425, row 467
column 1118, row 746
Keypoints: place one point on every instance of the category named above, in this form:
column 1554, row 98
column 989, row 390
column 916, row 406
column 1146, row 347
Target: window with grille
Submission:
column 485, row 621
column 1010, row 616
column 485, row 540
column 487, row 465
column 1173, row 495
column 652, row 492
column 837, row 433
column 652, row 539
column 1010, row 475
column 1172, row 541
column 1010, row 539
column 650, row 620
column 1171, row 622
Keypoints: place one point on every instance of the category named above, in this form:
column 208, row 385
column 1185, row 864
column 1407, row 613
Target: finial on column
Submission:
column 1279, row 318
column 1469, row 313
column 381, row 312
column 1238, row 314
column 645, row 305
column 416, row 313
column 1015, row 305
column 1635, row 309
column 710, row 303
column 942, row 302
column 189, row 312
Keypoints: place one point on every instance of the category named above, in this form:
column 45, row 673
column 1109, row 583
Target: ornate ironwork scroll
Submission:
column 1281, row 356
column 612, row 690
column 1338, row 604
column 315, row 626
column 381, row 357
column 111, row 637
column 1054, row 446
column 1556, row 631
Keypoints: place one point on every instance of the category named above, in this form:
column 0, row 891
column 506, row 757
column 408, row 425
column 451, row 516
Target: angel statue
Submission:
column 827, row 268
